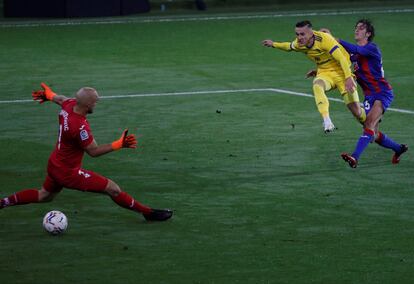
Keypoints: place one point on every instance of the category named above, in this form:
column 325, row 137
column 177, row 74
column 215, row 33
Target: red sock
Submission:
column 126, row 201
column 22, row 197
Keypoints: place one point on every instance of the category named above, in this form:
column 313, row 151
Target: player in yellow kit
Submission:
column 333, row 69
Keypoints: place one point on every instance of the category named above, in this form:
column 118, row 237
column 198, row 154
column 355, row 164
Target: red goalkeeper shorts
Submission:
column 79, row 179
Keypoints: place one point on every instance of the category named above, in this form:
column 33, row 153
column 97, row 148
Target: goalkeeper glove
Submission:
column 126, row 141
column 43, row 95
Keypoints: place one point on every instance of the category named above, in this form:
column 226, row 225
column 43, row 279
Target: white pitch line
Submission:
column 212, row 92
column 333, row 99
column 162, row 19
column 188, row 93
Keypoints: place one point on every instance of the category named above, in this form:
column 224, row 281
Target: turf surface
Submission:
column 260, row 193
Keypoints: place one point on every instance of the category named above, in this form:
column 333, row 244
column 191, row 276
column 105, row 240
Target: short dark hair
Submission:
column 368, row 26
column 304, row 24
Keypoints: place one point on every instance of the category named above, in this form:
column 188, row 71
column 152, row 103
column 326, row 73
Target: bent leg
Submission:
column 384, row 141
column 357, row 111
column 352, row 103
column 351, row 100
column 47, row 196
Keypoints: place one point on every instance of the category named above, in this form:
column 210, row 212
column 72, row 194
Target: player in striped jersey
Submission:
column 333, row 69
column 378, row 93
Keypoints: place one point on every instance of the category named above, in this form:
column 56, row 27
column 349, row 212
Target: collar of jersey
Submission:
column 75, row 113
column 312, row 42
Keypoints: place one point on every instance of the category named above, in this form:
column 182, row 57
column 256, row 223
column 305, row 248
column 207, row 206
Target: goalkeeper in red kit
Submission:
column 64, row 167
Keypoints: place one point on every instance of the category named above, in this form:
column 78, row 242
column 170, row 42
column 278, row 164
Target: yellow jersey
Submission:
column 325, row 51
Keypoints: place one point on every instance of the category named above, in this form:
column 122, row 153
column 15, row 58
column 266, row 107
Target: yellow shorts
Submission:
column 334, row 80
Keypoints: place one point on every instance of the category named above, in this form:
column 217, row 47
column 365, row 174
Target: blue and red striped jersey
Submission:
column 368, row 68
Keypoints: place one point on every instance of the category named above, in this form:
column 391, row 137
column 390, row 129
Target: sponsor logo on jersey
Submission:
column 84, row 135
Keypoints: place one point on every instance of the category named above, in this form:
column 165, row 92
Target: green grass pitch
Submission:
column 256, row 200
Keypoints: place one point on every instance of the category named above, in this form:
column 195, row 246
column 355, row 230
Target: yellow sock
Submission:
column 363, row 116
column 321, row 100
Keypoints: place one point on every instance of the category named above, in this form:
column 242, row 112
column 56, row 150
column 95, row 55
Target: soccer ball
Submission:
column 55, row 222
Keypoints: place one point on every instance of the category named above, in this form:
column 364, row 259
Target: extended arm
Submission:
column 95, row 150
column 46, row 94
column 286, row 46
column 125, row 141
column 365, row 50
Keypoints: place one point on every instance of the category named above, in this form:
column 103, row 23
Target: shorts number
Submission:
column 367, row 106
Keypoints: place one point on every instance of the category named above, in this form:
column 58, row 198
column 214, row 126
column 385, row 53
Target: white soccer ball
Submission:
column 55, row 222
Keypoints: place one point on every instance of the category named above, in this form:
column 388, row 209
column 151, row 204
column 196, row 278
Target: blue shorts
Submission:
column 385, row 98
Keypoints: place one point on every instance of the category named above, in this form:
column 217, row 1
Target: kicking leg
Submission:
column 357, row 111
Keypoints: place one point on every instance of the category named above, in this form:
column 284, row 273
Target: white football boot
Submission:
column 328, row 126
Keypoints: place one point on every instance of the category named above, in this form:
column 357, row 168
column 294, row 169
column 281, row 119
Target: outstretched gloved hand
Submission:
column 46, row 94
column 125, row 141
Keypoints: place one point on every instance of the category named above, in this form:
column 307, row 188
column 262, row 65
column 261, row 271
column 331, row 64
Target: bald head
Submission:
column 86, row 99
